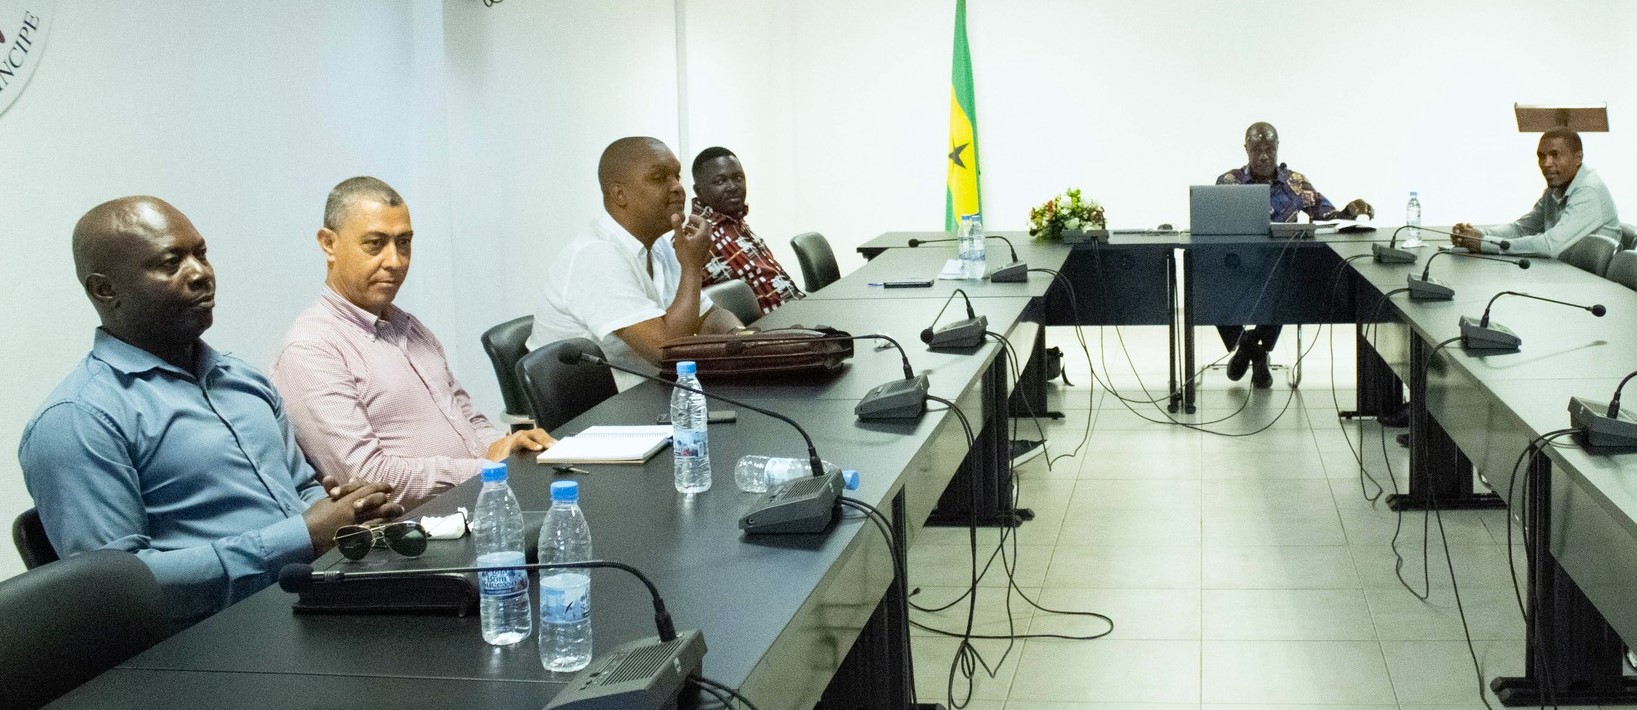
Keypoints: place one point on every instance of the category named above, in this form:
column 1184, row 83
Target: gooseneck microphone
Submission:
column 1479, row 334
column 961, row 334
column 899, row 399
column 1015, row 272
column 1604, row 428
column 1428, row 289
column 805, row 505
column 299, row 577
column 573, row 356
column 1391, row 254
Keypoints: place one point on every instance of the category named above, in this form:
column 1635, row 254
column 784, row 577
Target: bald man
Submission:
column 631, row 282
column 159, row 445
column 1289, row 194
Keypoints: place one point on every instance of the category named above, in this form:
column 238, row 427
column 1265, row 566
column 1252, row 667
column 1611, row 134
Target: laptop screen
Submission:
column 1228, row 210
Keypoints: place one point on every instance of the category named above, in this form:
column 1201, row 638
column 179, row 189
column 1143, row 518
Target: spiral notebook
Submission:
column 609, row 444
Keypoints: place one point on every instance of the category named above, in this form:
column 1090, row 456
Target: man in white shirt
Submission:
column 622, row 284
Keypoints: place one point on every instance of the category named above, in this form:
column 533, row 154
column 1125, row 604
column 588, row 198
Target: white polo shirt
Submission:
column 600, row 284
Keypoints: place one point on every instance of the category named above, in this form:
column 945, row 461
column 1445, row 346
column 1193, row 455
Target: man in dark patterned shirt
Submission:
column 1289, row 193
column 736, row 251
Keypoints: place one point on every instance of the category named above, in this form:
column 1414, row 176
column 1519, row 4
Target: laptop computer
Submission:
column 1228, row 210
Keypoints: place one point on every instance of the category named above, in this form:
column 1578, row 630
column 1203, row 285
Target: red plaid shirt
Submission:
column 737, row 253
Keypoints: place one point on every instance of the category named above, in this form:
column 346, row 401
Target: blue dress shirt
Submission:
column 196, row 473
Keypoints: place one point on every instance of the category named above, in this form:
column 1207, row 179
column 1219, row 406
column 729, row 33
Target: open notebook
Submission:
column 609, row 444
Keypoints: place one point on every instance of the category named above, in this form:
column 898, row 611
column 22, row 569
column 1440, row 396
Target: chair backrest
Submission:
column 1591, row 253
column 1623, row 269
column 737, row 298
column 68, row 621
column 558, row 391
column 28, row 534
column 506, row 344
column 1628, row 237
column 818, row 263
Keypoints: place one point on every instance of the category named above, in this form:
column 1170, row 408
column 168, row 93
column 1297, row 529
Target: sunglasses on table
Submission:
column 406, row 538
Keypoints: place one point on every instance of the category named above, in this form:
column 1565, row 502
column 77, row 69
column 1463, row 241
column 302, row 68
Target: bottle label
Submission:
column 690, row 444
column 565, row 598
column 503, row 582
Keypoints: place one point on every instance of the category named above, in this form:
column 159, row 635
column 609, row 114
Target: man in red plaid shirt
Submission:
column 736, row 251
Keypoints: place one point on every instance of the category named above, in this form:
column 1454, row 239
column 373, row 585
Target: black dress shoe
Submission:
column 1396, row 420
column 1261, row 378
column 1241, row 360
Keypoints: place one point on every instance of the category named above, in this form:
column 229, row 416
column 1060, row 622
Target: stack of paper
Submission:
column 609, row 444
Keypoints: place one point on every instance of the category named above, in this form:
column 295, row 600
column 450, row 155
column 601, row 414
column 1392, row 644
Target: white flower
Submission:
column 1072, row 223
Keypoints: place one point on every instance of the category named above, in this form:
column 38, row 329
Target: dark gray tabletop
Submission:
column 925, row 263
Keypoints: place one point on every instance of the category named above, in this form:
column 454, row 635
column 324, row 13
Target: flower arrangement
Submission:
column 1067, row 212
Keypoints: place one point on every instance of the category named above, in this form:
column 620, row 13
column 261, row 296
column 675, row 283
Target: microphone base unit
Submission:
column 1429, row 289
column 646, row 674
column 1014, row 273
column 1475, row 336
column 805, row 505
column 959, row 335
column 1390, row 255
column 899, row 399
column 1599, row 432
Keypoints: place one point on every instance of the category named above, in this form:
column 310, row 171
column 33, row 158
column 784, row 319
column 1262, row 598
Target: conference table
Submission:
column 791, row 621
column 1474, row 414
column 794, row 621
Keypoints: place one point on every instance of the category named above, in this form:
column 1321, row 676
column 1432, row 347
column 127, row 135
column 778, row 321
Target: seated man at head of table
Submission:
column 160, row 445
column 1289, row 194
column 366, row 385
column 736, row 251
column 626, row 283
column 1575, row 204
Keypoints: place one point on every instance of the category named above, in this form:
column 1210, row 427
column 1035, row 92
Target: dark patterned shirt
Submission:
column 737, row 253
column 1289, row 194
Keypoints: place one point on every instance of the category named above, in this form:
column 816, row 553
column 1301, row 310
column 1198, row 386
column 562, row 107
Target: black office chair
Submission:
column 558, row 391
column 818, row 263
column 1623, row 269
column 28, row 534
column 68, row 621
column 737, row 298
column 1591, row 253
column 1628, row 237
column 506, row 344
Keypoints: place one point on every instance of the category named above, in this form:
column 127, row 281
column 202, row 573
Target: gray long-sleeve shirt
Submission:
column 1559, row 219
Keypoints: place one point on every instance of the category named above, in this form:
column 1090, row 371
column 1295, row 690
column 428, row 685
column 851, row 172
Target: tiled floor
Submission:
column 1241, row 572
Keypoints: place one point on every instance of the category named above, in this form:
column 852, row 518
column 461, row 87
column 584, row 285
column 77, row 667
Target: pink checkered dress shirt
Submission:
column 373, row 398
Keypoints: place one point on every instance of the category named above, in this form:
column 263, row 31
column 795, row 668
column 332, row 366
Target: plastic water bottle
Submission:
column 974, row 255
column 503, row 594
column 690, row 441
column 756, row 474
column 1412, row 218
column 565, row 595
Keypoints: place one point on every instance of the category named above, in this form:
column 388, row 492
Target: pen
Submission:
column 565, row 468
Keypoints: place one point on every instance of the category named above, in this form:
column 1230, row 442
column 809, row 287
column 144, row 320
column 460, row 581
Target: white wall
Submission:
column 490, row 121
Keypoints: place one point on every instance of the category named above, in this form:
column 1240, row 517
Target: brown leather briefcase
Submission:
column 792, row 353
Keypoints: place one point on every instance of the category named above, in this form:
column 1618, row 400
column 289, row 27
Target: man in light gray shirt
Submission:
column 1575, row 204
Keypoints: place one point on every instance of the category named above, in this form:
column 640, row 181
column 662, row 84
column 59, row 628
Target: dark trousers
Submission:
column 1264, row 335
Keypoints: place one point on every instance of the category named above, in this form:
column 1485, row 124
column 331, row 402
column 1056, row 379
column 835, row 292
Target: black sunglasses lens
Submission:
column 407, row 539
column 354, row 541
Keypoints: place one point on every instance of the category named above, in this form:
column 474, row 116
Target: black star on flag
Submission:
column 955, row 155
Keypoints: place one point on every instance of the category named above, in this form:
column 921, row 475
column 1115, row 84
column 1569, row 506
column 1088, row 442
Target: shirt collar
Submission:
column 132, row 360
column 1579, row 178
column 1281, row 175
column 711, row 215
column 615, row 233
column 349, row 312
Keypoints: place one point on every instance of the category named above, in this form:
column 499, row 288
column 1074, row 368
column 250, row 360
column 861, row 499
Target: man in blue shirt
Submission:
column 159, row 445
column 1289, row 194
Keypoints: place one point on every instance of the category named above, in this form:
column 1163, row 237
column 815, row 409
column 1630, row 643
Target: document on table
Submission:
column 609, row 444
column 1344, row 226
column 952, row 271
